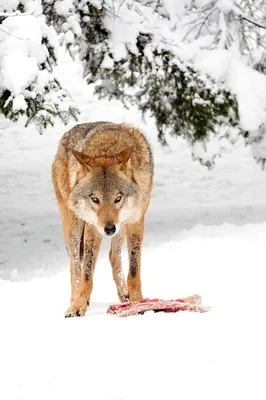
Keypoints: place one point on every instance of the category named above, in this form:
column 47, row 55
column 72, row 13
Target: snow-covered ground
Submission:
column 205, row 233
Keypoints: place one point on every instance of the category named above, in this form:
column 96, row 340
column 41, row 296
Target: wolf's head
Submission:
column 105, row 193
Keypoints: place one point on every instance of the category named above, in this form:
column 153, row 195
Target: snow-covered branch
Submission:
column 11, row 14
column 27, row 56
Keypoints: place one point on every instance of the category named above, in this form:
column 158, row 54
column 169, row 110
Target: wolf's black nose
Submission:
column 110, row 229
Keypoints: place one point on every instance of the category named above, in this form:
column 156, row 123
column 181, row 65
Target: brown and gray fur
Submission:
column 102, row 175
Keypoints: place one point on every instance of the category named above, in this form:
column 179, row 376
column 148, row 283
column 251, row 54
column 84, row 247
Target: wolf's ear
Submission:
column 123, row 158
column 82, row 159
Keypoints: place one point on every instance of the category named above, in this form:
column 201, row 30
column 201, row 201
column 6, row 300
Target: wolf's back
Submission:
column 104, row 138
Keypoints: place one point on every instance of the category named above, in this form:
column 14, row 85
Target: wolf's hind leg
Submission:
column 134, row 233
column 91, row 244
column 116, row 262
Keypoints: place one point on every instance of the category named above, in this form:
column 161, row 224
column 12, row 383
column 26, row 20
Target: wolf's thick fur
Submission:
column 102, row 175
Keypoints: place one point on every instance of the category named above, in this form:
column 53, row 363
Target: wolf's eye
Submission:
column 95, row 200
column 118, row 198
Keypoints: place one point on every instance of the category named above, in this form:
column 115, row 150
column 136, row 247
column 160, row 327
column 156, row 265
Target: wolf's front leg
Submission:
column 90, row 246
column 116, row 262
column 73, row 233
column 134, row 233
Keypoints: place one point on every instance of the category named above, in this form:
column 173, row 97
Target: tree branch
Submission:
column 252, row 22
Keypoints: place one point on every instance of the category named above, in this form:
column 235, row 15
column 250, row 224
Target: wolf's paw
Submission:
column 74, row 311
column 124, row 299
column 77, row 308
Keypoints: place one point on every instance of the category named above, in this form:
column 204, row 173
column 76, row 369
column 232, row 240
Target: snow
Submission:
column 63, row 7
column 23, row 68
column 215, row 355
column 250, row 87
column 175, row 8
column 17, row 69
column 247, row 84
column 19, row 103
column 225, row 5
column 9, row 5
column 205, row 233
column 108, row 62
column 19, row 53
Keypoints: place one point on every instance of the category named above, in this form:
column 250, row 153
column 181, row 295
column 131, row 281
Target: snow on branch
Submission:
column 12, row 14
column 27, row 56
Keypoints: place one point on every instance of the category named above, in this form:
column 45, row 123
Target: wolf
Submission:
column 102, row 176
